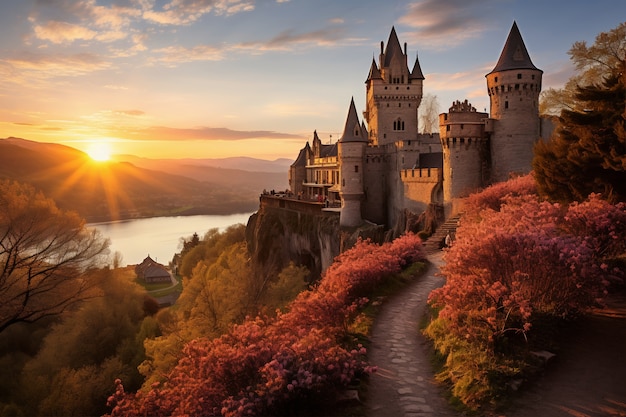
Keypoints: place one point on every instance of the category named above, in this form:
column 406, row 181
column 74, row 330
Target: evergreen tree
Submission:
column 587, row 153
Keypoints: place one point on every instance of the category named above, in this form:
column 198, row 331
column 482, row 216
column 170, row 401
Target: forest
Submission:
column 81, row 337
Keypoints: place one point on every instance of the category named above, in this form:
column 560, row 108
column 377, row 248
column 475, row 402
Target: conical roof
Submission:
column 374, row 73
column 393, row 48
column 352, row 131
column 417, row 74
column 514, row 55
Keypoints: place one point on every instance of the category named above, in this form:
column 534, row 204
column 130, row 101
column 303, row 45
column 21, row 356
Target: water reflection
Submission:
column 159, row 237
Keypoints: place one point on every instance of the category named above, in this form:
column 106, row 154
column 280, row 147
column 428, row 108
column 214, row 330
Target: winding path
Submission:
column 404, row 384
column 586, row 379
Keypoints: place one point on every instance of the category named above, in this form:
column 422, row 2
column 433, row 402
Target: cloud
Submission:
column 178, row 54
column 289, row 38
column 52, row 66
column 130, row 112
column 61, row 32
column 163, row 133
column 185, row 12
column 447, row 23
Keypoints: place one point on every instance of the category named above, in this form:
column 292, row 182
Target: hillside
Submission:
column 229, row 172
column 121, row 190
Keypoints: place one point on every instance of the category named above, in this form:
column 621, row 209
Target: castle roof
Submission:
column 374, row 72
column 302, row 156
column 393, row 48
column 514, row 55
column 417, row 74
column 353, row 131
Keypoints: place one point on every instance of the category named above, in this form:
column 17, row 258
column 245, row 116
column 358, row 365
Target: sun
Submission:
column 99, row 151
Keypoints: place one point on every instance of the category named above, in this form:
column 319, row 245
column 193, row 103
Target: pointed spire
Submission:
column 416, row 73
column 374, row 73
column 393, row 48
column 352, row 131
column 514, row 54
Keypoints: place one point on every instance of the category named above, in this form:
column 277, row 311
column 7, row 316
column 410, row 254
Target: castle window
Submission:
column 343, row 182
column 462, row 126
column 533, row 76
column 398, row 125
column 519, row 76
column 517, row 86
column 356, row 168
column 447, row 128
column 399, row 104
column 495, row 79
column 506, row 104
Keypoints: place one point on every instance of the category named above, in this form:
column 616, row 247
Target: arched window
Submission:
column 398, row 124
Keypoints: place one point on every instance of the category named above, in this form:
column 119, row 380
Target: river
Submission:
column 159, row 237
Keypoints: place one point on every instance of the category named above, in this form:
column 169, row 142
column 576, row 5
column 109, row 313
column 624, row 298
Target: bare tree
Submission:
column 44, row 256
column 429, row 114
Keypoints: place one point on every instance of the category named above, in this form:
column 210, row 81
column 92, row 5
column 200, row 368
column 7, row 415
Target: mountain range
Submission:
column 131, row 187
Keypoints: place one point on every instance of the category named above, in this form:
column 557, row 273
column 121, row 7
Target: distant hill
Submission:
column 122, row 190
column 241, row 172
column 243, row 163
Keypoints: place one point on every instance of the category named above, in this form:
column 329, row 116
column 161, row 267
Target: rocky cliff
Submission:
column 284, row 231
column 287, row 230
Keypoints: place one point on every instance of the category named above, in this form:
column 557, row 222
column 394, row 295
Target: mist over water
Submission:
column 159, row 237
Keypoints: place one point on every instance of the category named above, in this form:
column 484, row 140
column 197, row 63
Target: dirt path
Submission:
column 586, row 379
column 404, row 385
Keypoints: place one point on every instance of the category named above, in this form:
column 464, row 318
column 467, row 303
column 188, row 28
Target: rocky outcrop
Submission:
column 278, row 234
column 286, row 230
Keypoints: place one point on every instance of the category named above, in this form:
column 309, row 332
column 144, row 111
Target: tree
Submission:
column 44, row 252
column 587, row 153
column 74, row 371
column 429, row 110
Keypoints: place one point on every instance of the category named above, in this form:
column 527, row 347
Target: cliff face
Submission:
column 287, row 230
column 277, row 236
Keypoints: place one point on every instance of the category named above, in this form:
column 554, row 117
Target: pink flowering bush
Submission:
column 512, row 265
column 268, row 366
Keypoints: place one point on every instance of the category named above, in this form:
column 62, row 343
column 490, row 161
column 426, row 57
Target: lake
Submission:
column 159, row 237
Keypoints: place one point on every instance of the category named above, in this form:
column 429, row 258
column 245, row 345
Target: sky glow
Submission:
column 219, row 78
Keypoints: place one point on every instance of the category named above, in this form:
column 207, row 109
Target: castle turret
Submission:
column 351, row 153
column 394, row 94
column 513, row 86
column 465, row 152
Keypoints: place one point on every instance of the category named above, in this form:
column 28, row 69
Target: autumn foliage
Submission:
column 518, row 259
column 265, row 366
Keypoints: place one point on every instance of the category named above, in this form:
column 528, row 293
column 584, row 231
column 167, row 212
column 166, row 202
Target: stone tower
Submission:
column 513, row 87
column 351, row 153
column 465, row 152
column 393, row 95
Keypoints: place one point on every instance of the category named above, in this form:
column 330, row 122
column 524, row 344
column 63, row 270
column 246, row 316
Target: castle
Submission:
column 382, row 166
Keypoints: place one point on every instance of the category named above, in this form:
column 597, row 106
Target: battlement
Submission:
column 302, row 206
column 430, row 175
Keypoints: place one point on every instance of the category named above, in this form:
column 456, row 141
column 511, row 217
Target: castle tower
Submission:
column 513, row 87
column 393, row 95
column 351, row 154
column 465, row 150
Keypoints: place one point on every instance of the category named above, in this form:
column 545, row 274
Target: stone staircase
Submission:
column 435, row 241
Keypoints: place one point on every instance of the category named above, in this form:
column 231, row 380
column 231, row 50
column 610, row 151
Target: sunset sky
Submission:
column 219, row 78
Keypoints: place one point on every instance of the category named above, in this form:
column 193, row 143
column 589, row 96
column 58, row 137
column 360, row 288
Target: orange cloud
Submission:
column 61, row 32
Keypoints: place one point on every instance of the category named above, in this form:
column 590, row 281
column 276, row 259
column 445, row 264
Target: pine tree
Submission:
column 587, row 153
